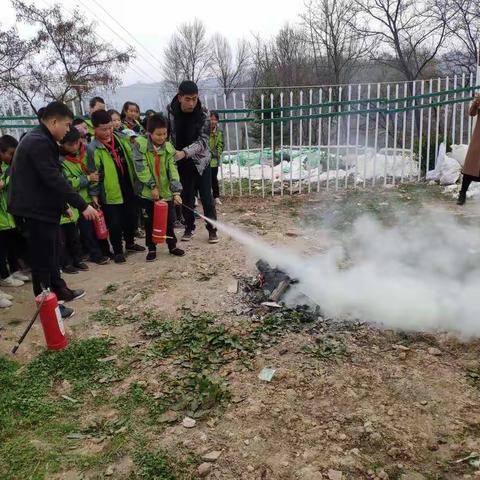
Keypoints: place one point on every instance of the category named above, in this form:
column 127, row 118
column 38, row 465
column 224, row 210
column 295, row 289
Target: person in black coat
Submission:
column 40, row 193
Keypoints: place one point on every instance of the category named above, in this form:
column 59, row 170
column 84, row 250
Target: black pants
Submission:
column 193, row 182
column 88, row 239
column 466, row 181
column 44, row 246
column 70, row 246
column 9, row 252
column 215, row 185
column 147, row 205
column 122, row 222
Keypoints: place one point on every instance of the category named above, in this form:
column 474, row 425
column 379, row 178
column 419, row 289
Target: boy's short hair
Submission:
column 215, row 114
column 40, row 113
column 7, row 142
column 56, row 110
column 72, row 136
column 187, row 87
column 156, row 121
column 93, row 101
column 100, row 117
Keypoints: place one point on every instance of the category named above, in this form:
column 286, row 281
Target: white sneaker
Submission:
column 21, row 276
column 218, row 201
column 5, row 303
column 5, row 295
column 11, row 282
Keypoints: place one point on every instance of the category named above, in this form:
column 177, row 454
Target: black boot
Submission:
column 462, row 198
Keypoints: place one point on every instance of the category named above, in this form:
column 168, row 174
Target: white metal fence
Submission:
column 287, row 141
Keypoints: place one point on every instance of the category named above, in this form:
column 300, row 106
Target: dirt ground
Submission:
column 347, row 401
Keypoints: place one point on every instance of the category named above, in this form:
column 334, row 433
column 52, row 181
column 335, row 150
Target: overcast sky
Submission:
column 152, row 22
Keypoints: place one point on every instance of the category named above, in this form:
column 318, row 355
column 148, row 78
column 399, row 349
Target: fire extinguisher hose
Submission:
column 32, row 321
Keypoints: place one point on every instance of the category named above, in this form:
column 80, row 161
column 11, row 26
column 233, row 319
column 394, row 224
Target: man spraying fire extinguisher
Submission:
column 157, row 179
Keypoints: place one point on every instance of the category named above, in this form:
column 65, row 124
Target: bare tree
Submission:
column 410, row 32
column 228, row 70
column 13, row 51
column 332, row 30
column 68, row 60
column 464, row 28
column 188, row 55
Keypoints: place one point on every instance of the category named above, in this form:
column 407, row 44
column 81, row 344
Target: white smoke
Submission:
column 422, row 275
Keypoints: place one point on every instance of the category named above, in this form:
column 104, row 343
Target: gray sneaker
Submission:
column 187, row 236
column 212, row 237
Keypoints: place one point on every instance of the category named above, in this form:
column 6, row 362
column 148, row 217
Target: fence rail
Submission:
column 281, row 141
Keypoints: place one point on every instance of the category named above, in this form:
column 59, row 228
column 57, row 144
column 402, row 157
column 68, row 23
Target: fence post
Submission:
column 420, row 137
column 281, row 144
column 234, row 96
column 247, row 140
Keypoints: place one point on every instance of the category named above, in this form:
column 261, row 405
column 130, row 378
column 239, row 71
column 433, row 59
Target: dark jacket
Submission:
column 38, row 188
column 199, row 150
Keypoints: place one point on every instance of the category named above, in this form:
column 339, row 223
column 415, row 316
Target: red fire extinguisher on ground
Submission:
column 52, row 322
column 100, row 226
column 160, row 216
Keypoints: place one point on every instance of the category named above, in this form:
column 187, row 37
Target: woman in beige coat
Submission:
column 471, row 169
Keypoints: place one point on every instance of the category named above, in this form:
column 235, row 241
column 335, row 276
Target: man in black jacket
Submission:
column 189, row 132
column 40, row 193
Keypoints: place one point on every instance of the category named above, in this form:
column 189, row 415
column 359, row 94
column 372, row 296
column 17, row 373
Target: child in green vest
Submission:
column 74, row 163
column 112, row 157
column 10, row 239
column 158, row 179
column 215, row 144
column 116, row 121
column 95, row 104
column 70, row 246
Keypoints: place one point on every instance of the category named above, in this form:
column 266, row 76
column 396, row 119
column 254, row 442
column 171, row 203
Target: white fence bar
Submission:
column 272, row 141
column 420, row 136
column 328, row 137
column 349, row 97
column 462, row 110
column 437, row 124
column 281, row 145
column 247, row 144
column 377, row 119
column 291, row 144
column 234, row 96
column 454, row 109
column 357, row 137
column 395, row 126
column 300, row 143
column 339, row 123
column 262, row 133
column 367, row 131
column 309, row 168
column 386, row 139
column 319, row 165
column 412, row 136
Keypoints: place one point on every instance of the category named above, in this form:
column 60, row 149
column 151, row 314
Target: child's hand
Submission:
column 69, row 213
column 95, row 202
column 155, row 194
column 93, row 177
column 177, row 200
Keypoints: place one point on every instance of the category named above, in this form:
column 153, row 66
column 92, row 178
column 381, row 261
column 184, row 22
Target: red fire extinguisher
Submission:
column 160, row 216
column 100, row 226
column 51, row 320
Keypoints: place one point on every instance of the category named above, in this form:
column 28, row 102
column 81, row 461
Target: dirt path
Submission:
column 347, row 401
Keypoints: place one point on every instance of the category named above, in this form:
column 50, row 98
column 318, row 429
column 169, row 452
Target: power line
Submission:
column 127, row 32
column 136, row 68
column 122, row 39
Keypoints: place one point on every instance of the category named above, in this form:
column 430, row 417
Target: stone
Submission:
column 335, row 475
column 434, row 351
column 109, row 471
column 232, row 286
column 168, row 417
column 204, row 469
column 390, row 413
column 212, row 456
column 250, row 468
column 402, row 356
column 412, row 476
column 189, row 422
